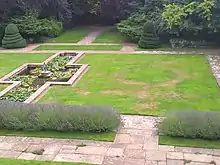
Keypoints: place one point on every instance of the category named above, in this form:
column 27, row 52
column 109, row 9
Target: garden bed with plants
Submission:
column 34, row 76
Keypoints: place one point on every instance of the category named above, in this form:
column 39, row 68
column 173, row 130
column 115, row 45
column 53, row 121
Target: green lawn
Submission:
column 64, row 135
column 2, row 87
column 183, row 142
column 143, row 84
column 10, row 61
column 71, row 36
column 34, row 162
column 110, row 36
column 79, row 47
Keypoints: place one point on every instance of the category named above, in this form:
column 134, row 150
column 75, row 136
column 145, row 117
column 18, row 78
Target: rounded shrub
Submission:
column 12, row 38
column 53, row 117
column 191, row 124
column 149, row 38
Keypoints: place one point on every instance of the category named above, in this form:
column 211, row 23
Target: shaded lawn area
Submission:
column 71, row 36
column 110, row 36
column 34, row 162
column 79, row 47
column 184, row 142
column 143, row 84
column 109, row 136
column 10, row 61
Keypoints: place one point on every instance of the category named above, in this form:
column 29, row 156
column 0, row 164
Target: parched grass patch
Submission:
column 79, row 47
column 10, row 61
column 4, row 161
column 110, row 36
column 108, row 136
column 184, row 142
column 71, row 36
column 143, row 84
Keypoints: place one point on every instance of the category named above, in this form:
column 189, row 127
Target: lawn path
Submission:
column 94, row 33
column 136, row 143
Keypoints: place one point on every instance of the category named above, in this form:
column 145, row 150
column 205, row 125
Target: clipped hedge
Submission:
column 12, row 38
column 191, row 124
column 53, row 117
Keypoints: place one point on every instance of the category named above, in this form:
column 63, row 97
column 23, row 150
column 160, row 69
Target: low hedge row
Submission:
column 53, row 117
column 191, row 124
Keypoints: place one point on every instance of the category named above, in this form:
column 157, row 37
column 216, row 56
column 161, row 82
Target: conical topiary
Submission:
column 149, row 38
column 12, row 38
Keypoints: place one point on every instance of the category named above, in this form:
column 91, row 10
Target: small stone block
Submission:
column 122, row 138
column 113, row 161
column 175, row 155
column 156, row 155
column 175, row 162
column 115, row 152
column 91, row 150
column 27, row 156
column 130, row 161
column 136, row 154
column 198, row 157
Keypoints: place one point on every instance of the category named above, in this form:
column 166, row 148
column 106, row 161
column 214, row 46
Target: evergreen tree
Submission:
column 149, row 38
column 12, row 38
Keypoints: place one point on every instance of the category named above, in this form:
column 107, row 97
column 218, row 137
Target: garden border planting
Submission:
column 36, row 95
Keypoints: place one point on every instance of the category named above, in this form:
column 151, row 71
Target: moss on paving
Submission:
column 184, row 142
column 71, row 36
column 143, row 84
column 110, row 36
column 79, row 47
column 34, row 162
column 109, row 136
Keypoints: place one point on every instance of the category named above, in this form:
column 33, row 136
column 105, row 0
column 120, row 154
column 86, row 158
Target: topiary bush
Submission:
column 12, row 38
column 191, row 124
column 53, row 117
column 149, row 38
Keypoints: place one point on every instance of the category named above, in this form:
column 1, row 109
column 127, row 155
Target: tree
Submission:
column 149, row 38
column 13, row 38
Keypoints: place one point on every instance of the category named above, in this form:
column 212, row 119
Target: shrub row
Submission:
column 53, row 117
column 191, row 124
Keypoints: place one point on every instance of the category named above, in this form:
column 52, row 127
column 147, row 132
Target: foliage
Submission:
column 149, row 38
column 181, row 43
column 191, row 124
column 20, row 116
column 32, row 27
column 175, row 15
column 133, row 26
column 12, row 38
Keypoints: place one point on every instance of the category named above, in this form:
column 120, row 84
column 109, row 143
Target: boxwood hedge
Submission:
column 191, row 124
column 53, row 117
